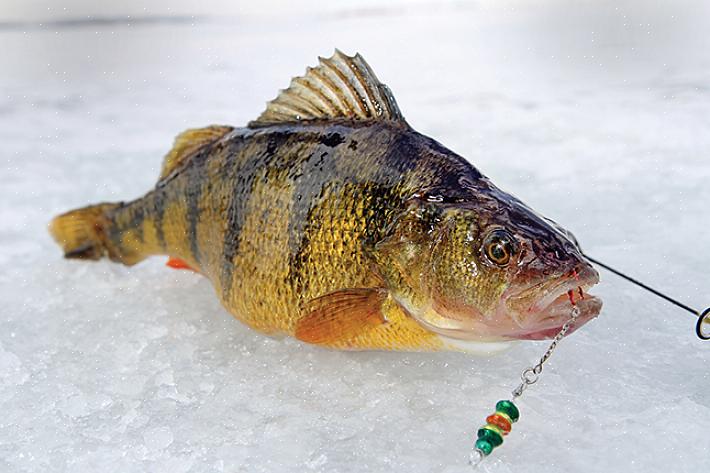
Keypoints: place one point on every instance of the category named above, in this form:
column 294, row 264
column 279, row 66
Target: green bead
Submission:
column 485, row 446
column 491, row 435
column 509, row 409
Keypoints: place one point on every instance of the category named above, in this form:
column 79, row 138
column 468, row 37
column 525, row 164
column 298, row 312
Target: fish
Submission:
column 330, row 219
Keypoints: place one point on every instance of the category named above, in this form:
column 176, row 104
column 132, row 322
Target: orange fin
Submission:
column 177, row 263
column 341, row 315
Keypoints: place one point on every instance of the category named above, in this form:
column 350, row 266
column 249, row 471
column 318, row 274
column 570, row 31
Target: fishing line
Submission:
column 703, row 317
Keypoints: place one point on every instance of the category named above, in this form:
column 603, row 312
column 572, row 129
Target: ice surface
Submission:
column 595, row 114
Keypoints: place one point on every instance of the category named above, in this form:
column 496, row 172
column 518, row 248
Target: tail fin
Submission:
column 81, row 232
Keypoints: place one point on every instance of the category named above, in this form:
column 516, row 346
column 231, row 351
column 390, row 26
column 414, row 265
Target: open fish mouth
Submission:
column 541, row 318
column 559, row 312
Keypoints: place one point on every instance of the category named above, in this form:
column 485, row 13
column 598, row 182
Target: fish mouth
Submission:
column 537, row 312
column 540, row 318
column 559, row 312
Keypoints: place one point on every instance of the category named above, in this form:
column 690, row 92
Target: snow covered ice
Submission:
column 596, row 114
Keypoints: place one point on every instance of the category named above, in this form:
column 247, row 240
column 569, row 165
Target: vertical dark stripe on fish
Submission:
column 137, row 215
column 193, row 192
column 309, row 176
column 388, row 164
column 240, row 179
column 115, row 233
column 158, row 198
column 192, row 214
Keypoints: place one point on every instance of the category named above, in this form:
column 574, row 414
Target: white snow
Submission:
column 595, row 113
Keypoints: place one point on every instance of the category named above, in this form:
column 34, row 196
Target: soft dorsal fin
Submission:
column 188, row 143
column 339, row 87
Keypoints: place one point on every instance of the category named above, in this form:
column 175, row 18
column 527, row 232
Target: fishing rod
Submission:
column 703, row 317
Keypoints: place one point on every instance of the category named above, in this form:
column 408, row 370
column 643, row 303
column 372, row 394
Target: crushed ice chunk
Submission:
column 158, row 438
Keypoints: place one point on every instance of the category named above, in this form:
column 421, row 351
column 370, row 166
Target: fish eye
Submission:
column 499, row 247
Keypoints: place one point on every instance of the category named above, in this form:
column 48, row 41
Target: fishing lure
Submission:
column 499, row 424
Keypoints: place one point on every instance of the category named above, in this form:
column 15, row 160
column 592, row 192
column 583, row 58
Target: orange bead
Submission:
column 499, row 421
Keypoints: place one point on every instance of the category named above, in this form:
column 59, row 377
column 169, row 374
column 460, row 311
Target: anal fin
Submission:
column 341, row 315
column 177, row 263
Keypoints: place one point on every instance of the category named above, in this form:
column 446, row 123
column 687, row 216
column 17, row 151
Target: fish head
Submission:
column 494, row 270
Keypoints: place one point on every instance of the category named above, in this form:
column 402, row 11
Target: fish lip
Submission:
column 590, row 307
column 544, row 317
column 585, row 278
column 578, row 286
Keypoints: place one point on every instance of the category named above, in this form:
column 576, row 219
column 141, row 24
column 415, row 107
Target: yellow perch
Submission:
column 330, row 219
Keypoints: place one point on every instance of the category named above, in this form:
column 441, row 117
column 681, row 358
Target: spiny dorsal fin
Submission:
column 339, row 87
column 188, row 143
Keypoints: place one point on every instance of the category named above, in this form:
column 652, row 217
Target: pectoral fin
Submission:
column 341, row 315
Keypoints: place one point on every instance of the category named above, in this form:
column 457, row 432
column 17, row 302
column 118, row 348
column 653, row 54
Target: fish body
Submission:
column 330, row 219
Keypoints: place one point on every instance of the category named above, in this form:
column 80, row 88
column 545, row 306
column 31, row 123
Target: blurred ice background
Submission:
column 596, row 113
